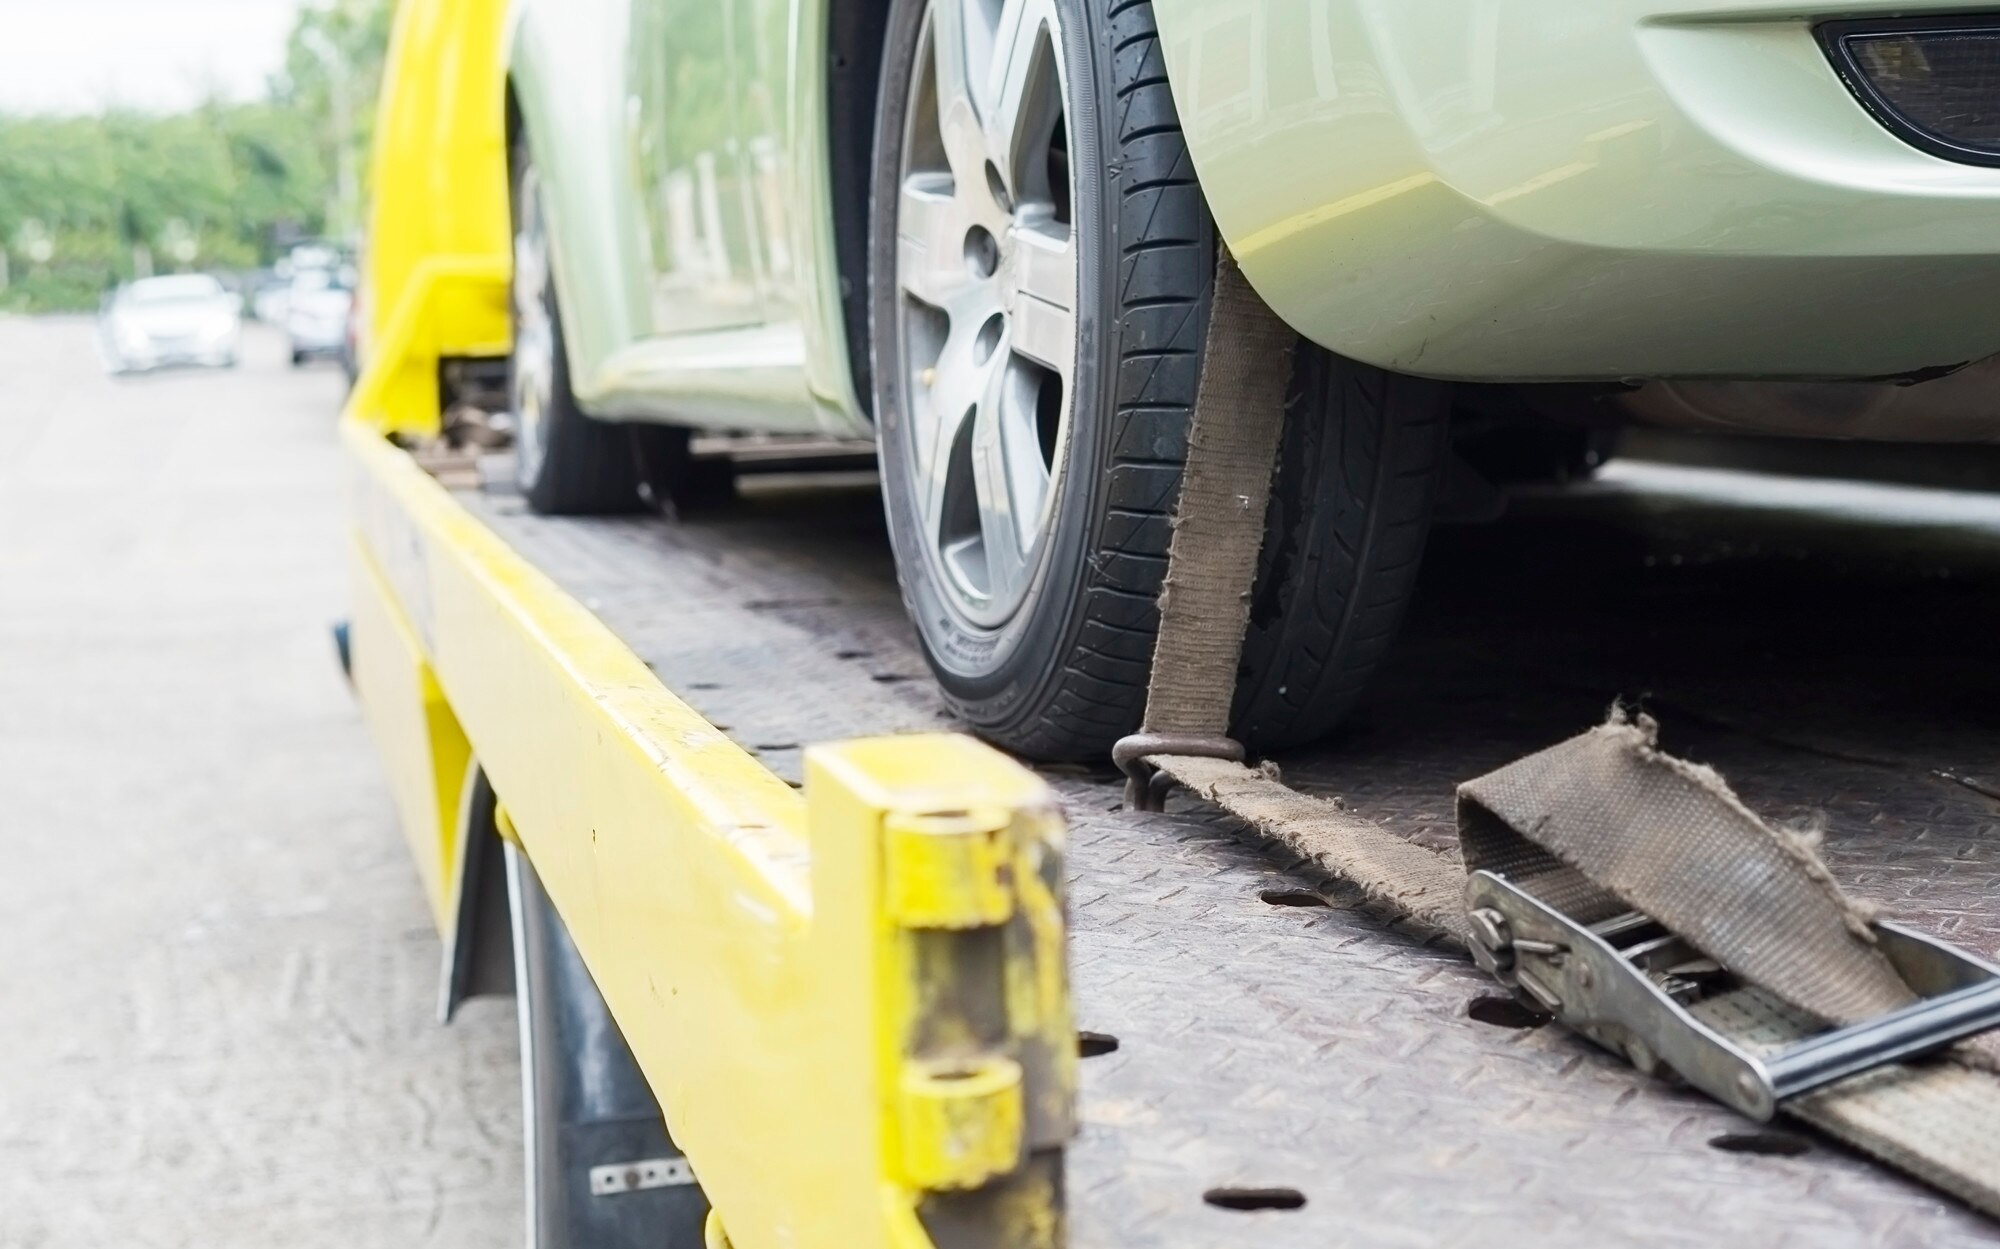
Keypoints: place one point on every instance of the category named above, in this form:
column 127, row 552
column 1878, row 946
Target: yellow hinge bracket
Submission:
column 960, row 1121
column 950, row 856
column 949, row 869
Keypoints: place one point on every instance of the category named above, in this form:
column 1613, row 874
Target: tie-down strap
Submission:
column 1604, row 825
column 1603, row 833
column 1218, row 530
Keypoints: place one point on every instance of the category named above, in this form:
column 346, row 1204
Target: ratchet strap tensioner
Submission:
column 1634, row 988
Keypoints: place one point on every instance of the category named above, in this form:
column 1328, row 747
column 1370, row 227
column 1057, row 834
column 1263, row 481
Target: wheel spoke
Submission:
column 1021, row 100
column 527, row 365
column 526, row 292
column 1044, row 307
column 958, row 40
column 955, row 390
column 530, row 268
column 950, row 58
column 1046, row 334
column 993, row 477
column 533, row 366
column 1045, row 267
column 930, row 234
column 1027, row 472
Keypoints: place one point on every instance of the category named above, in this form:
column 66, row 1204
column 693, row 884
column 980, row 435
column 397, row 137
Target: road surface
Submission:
column 217, row 1023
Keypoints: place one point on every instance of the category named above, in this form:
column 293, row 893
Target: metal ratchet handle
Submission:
column 1597, row 988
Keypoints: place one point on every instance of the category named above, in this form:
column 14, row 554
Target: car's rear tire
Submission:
column 1060, row 670
column 565, row 462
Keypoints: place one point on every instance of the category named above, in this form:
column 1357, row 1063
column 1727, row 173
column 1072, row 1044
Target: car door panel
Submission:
column 689, row 212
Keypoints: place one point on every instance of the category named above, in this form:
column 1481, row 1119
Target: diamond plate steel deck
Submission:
column 1831, row 665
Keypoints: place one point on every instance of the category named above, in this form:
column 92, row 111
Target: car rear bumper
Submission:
column 324, row 343
column 1547, row 190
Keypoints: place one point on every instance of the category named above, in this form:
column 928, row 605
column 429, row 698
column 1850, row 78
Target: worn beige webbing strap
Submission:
column 1219, row 525
column 1387, row 869
column 1602, row 822
column 1205, row 609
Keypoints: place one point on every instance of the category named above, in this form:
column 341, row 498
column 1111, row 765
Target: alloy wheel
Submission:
column 986, row 275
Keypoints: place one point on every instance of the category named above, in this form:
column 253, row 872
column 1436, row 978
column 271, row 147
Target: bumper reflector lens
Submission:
column 1936, row 86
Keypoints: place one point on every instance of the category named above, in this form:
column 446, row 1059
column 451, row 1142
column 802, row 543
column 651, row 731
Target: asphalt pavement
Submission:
column 217, row 1019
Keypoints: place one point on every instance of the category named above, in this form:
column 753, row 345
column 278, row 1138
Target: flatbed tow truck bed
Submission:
column 1824, row 646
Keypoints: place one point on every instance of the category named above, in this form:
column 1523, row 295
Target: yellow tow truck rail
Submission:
column 802, row 978
column 808, row 981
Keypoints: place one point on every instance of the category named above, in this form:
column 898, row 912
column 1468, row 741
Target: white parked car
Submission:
column 187, row 318
column 316, row 314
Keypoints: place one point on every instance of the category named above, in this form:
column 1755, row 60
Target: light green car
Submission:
column 983, row 233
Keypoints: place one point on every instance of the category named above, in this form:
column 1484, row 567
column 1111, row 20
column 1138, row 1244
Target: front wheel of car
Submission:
column 1039, row 293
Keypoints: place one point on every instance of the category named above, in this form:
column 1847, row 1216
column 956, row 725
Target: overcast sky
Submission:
column 77, row 56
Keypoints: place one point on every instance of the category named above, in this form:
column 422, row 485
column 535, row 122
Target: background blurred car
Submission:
column 187, row 318
column 315, row 255
column 316, row 313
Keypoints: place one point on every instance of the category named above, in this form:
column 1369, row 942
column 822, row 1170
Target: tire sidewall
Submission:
column 997, row 677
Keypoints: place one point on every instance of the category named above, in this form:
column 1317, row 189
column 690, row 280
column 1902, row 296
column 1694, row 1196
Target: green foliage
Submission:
column 86, row 201
column 333, row 72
